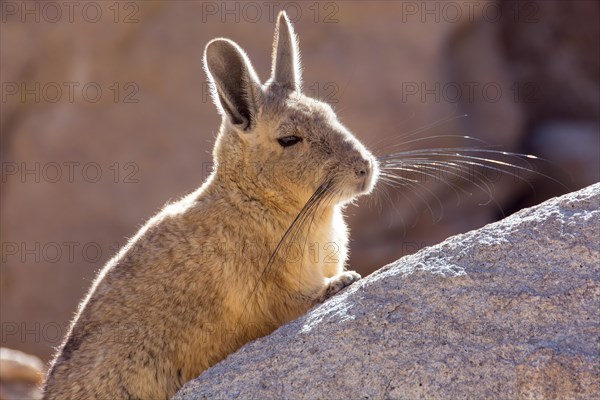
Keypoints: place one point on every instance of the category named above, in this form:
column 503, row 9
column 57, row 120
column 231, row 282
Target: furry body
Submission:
column 178, row 298
column 260, row 243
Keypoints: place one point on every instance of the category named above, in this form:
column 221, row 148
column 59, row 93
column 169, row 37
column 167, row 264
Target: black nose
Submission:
column 362, row 168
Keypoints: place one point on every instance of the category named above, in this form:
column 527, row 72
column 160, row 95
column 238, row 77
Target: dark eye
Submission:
column 288, row 141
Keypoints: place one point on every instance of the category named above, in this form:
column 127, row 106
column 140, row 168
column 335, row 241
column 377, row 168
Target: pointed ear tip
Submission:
column 282, row 14
column 283, row 19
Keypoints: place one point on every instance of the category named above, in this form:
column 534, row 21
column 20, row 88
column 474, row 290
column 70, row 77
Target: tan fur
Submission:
column 191, row 285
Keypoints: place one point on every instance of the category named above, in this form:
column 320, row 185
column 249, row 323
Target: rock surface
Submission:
column 507, row 311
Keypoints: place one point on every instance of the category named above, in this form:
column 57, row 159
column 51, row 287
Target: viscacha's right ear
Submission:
column 235, row 86
column 286, row 70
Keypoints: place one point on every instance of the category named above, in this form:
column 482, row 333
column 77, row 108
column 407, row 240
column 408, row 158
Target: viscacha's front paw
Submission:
column 339, row 282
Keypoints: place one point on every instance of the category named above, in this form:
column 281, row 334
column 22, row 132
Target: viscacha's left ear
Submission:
column 236, row 89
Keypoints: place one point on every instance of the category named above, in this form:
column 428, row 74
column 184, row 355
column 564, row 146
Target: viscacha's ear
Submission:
column 286, row 69
column 235, row 87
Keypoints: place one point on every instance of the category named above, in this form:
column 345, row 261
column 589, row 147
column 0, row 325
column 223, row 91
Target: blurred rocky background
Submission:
column 106, row 116
column 21, row 375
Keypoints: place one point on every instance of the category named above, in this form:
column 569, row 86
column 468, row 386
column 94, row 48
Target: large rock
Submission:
column 507, row 311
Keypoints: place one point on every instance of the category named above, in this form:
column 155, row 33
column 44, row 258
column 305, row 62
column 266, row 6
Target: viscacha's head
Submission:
column 276, row 143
